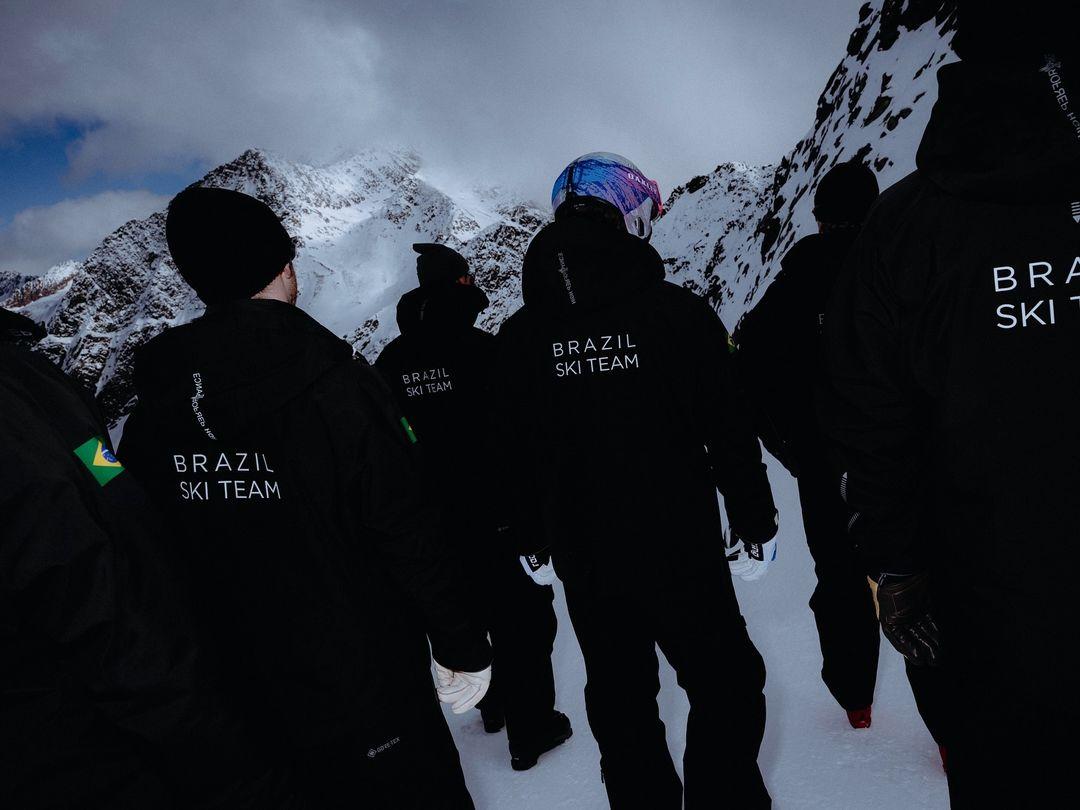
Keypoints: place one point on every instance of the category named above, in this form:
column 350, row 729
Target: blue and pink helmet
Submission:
column 615, row 180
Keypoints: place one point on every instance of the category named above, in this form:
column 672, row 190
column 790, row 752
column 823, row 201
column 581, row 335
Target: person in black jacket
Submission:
column 780, row 359
column 953, row 354
column 440, row 371
column 293, row 482
column 619, row 421
column 106, row 697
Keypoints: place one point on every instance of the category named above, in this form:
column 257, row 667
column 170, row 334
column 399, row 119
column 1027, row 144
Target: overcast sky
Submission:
column 109, row 107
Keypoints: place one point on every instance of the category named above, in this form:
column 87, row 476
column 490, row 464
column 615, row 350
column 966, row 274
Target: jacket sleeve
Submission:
column 386, row 364
column 872, row 412
column 514, row 446
column 733, row 449
column 764, row 364
column 103, row 604
column 489, row 464
column 406, row 530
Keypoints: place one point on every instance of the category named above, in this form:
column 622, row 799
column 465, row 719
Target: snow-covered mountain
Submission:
column 9, row 282
column 355, row 222
column 722, row 235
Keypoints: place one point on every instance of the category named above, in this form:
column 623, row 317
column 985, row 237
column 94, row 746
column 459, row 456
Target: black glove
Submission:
column 904, row 611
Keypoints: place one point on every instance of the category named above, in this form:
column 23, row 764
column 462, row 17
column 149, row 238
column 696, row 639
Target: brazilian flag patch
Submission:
column 99, row 460
column 408, row 430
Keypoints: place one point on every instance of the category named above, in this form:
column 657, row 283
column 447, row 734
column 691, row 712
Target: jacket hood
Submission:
column 240, row 360
column 578, row 265
column 441, row 307
column 1005, row 133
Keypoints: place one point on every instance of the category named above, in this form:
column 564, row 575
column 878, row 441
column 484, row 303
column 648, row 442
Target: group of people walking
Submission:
column 260, row 598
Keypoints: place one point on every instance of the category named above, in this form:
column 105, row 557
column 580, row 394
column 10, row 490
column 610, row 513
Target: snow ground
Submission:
column 811, row 758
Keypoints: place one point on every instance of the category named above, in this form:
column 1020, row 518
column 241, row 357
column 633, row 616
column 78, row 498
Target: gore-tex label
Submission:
column 600, row 354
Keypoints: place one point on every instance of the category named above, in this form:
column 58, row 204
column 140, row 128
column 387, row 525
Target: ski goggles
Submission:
column 609, row 178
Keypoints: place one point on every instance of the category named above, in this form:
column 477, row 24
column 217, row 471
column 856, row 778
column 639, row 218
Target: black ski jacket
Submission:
column 285, row 465
column 106, row 699
column 954, row 345
column 780, row 356
column 619, row 416
column 440, row 370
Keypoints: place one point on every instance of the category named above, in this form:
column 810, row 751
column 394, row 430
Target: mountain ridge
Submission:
column 722, row 233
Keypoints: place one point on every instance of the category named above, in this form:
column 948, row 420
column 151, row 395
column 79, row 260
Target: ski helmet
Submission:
column 614, row 180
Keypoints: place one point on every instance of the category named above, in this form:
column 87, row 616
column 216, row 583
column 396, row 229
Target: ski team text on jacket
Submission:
column 620, row 414
column 293, row 481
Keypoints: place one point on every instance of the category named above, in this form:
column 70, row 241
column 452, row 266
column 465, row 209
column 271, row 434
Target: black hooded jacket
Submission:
column 619, row 417
column 106, row 699
column 440, row 370
column 781, row 356
column 954, row 344
column 286, row 466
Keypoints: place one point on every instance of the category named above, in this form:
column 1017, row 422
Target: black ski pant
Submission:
column 520, row 617
column 404, row 760
column 842, row 603
column 1006, row 749
column 933, row 698
column 698, row 627
column 1009, row 686
column 843, row 607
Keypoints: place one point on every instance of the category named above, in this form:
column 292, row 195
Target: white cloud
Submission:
column 37, row 238
column 165, row 83
column 497, row 90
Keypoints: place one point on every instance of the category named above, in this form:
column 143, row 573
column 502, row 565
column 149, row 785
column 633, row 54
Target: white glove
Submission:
column 749, row 561
column 462, row 690
column 539, row 567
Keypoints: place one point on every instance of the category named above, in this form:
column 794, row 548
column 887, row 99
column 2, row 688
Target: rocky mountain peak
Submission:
column 725, row 236
column 723, row 233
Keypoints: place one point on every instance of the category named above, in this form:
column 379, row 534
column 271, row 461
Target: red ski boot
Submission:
column 860, row 718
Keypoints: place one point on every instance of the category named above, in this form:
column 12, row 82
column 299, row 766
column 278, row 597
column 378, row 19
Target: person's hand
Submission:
column 461, row 690
column 904, row 610
column 538, row 566
column 749, row 561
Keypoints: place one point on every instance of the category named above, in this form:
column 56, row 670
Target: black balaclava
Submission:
column 845, row 194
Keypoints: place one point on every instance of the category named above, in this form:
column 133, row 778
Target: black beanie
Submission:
column 845, row 194
column 438, row 264
column 226, row 245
